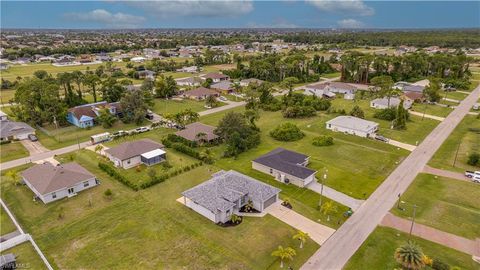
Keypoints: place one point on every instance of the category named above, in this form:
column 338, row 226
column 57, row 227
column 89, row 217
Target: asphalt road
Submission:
column 338, row 249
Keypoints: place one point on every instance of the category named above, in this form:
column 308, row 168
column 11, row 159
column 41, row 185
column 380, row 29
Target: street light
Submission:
column 413, row 219
column 321, row 190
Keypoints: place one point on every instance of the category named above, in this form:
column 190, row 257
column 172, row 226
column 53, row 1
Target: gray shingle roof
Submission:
column 46, row 178
column 224, row 188
column 354, row 123
column 286, row 161
column 190, row 132
column 131, row 149
column 8, row 128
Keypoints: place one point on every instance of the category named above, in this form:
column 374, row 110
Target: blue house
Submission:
column 84, row 116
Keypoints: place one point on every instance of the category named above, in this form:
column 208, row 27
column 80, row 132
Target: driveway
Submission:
column 434, row 117
column 336, row 195
column 405, row 146
column 34, row 147
column 445, row 173
column 230, row 105
column 317, row 232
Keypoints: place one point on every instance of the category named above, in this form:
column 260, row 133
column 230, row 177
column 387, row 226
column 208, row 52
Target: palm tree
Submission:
column 235, row 219
column 92, row 80
column 201, row 137
column 328, row 208
column 302, row 237
column 410, row 256
column 284, row 253
column 98, row 148
column 13, row 174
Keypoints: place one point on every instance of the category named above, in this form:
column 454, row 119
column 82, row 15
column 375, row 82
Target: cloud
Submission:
column 117, row 20
column 350, row 23
column 277, row 23
column 352, row 7
column 200, row 8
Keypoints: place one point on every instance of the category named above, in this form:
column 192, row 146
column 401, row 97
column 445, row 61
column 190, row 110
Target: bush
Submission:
column 108, row 193
column 116, row 175
column 287, row 132
column 386, row 114
column 272, row 107
column 323, row 140
column 357, row 112
column 5, row 142
column 474, row 159
column 298, row 111
column 172, row 138
column 439, row 265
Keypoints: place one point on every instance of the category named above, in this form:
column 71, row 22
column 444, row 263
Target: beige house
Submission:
column 131, row 154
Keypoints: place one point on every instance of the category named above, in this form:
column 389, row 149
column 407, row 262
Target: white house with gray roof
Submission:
column 14, row 130
column 353, row 125
column 286, row 166
column 226, row 193
column 131, row 154
column 384, row 103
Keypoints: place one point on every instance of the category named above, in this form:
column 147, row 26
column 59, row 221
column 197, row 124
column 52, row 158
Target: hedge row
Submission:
column 116, row 175
column 165, row 176
column 178, row 145
column 172, row 138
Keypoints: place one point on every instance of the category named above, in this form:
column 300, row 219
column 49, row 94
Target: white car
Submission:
column 476, row 179
column 222, row 99
column 141, row 129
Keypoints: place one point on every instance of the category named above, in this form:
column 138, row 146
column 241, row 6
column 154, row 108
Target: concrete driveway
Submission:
column 34, row 147
column 317, row 232
column 336, row 195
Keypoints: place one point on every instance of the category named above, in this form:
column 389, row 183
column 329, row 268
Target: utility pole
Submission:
column 424, row 111
column 413, row 219
column 321, row 190
column 78, row 141
column 398, row 202
column 456, row 154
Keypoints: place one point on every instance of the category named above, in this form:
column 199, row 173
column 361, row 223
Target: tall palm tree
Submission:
column 328, row 208
column 410, row 256
column 284, row 253
column 302, row 237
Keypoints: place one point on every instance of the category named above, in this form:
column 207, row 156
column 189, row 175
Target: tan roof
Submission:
column 131, row 149
column 214, row 76
column 201, row 91
column 190, row 132
column 46, row 178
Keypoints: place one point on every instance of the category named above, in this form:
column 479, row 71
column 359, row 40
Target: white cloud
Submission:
column 350, row 23
column 117, row 20
column 202, row 8
column 352, row 7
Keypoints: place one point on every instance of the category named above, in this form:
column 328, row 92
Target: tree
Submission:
column 237, row 133
column 400, row 121
column 235, row 219
column 410, row 256
column 431, row 92
column 287, row 132
column 252, row 116
column 328, row 208
column 108, row 194
column 112, row 91
column 474, row 159
column 284, row 254
column 302, row 237
column 211, row 101
column 98, row 148
column 165, row 87
column 201, row 137
column 288, row 83
column 385, row 85
column 106, row 118
column 13, row 174
column 92, row 80
column 78, row 78
column 40, row 74
column 357, row 112
column 134, row 106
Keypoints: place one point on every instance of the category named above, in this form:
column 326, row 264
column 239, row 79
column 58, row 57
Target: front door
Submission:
column 70, row 190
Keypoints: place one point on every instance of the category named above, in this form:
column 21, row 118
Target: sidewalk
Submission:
column 230, row 105
column 438, row 118
column 445, row 173
column 336, row 195
column 405, row 146
column 316, row 231
column 440, row 237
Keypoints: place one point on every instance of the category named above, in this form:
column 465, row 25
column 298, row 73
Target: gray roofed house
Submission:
column 130, row 154
column 8, row 261
column 226, row 193
column 413, row 88
column 200, row 93
column 192, row 130
column 383, row 103
column 353, row 125
column 286, row 166
column 246, row 82
column 223, row 86
column 15, row 131
column 190, row 81
column 216, row 77
column 50, row 183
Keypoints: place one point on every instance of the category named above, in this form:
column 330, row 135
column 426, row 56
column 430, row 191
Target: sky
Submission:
column 108, row 14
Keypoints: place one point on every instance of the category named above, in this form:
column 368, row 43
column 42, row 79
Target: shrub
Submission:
column 5, row 142
column 287, row 132
column 116, row 175
column 108, row 193
column 357, row 112
column 388, row 114
column 298, row 111
column 474, row 159
column 437, row 264
column 323, row 140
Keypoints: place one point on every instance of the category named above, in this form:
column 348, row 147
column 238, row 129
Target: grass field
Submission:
column 446, row 204
column 148, row 229
column 462, row 139
column 7, row 225
column 431, row 109
column 377, row 252
column 356, row 165
column 174, row 106
column 12, row 151
column 417, row 129
column 453, row 95
column 26, row 256
column 6, row 96
column 330, row 75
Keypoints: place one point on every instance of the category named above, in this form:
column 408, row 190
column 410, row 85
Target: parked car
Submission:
column 222, row 99
column 472, row 174
column 32, row 137
column 381, row 138
column 119, row 133
column 476, row 179
column 141, row 129
column 149, row 116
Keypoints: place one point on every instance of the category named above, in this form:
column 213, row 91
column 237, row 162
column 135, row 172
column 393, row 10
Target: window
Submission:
column 128, row 161
column 271, row 171
column 86, row 184
column 54, row 195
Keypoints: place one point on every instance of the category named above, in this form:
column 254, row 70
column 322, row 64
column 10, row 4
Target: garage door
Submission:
column 270, row 201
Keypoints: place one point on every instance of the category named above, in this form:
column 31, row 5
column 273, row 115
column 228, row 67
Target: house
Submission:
column 200, row 93
column 341, row 87
column 319, row 90
column 51, row 183
column 286, row 166
column 198, row 132
column 146, row 74
column 329, row 89
column 247, row 82
column 84, row 115
column 191, row 69
column 226, row 193
column 224, row 87
column 353, row 125
column 138, row 59
column 414, row 97
column 15, row 130
column 4, row 66
column 191, row 81
column 409, row 87
column 131, row 154
column 3, row 116
column 8, row 261
column 216, row 77
column 384, row 103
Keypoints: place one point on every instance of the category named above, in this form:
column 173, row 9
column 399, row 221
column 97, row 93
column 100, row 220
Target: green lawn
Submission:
column 377, row 252
column 7, row 225
column 453, row 95
column 446, row 204
column 26, row 256
column 417, row 129
column 6, row 96
column 12, row 151
column 330, row 75
column 174, row 106
column 147, row 228
column 431, row 109
column 462, row 139
column 356, row 166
